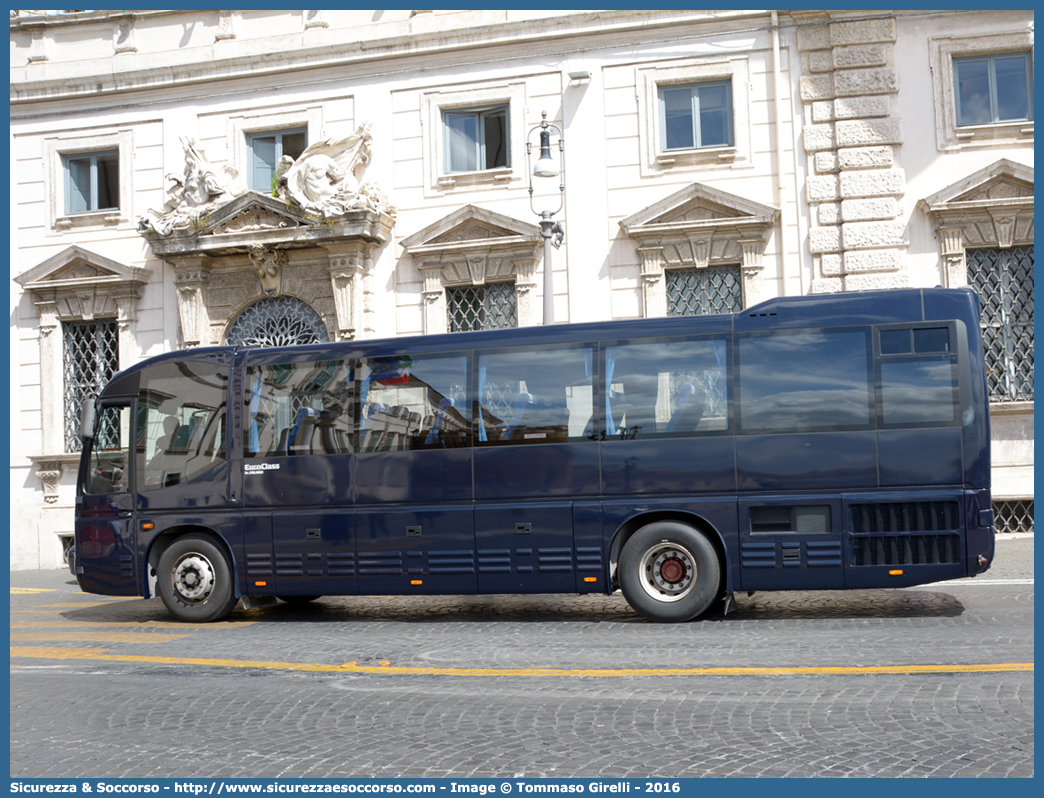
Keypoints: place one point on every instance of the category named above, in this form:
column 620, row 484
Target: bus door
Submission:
column 411, row 474
column 298, row 437
column 106, row 539
column 791, row 543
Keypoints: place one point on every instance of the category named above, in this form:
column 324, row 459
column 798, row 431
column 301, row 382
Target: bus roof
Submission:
column 838, row 309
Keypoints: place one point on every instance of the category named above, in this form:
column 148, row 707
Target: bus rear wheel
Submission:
column 669, row 572
column 194, row 578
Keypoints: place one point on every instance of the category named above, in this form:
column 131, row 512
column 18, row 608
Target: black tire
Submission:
column 298, row 599
column 669, row 572
column 194, row 578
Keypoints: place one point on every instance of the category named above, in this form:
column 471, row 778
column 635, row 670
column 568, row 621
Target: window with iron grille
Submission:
column 482, row 307
column 91, row 358
column 1003, row 279
column 1013, row 516
column 698, row 292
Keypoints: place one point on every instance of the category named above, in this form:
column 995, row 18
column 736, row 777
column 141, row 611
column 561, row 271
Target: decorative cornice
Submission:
column 255, row 219
column 64, row 459
column 284, row 54
column 499, row 228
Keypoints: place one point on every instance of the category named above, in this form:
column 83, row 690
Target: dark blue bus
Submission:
column 819, row 442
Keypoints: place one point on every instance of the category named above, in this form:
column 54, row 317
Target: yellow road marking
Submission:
column 82, row 604
column 18, row 591
column 92, row 636
column 52, row 613
column 125, row 625
column 352, row 667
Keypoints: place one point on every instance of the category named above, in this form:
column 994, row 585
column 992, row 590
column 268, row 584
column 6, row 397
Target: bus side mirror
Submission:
column 87, row 420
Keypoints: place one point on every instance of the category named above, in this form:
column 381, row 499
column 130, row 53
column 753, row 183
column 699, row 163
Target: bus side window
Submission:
column 413, row 402
column 301, row 408
column 805, row 380
column 535, row 396
column 666, row 388
column 181, row 422
column 917, row 377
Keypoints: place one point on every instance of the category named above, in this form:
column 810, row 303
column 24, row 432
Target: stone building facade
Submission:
column 183, row 179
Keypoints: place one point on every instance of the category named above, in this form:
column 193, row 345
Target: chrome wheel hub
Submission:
column 194, row 577
column 668, row 572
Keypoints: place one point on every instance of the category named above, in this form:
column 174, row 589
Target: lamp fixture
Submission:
column 545, row 165
column 551, row 231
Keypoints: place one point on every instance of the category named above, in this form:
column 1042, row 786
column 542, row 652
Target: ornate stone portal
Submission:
column 230, row 247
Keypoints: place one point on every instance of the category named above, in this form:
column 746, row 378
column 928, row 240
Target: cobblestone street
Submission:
column 928, row 681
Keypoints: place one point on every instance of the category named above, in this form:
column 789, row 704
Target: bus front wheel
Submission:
column 195, row 580
column 669, row 572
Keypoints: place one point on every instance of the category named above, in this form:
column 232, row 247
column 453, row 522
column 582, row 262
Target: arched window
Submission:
column 277, row 321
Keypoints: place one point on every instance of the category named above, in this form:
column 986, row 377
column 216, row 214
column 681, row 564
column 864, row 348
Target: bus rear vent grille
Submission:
column 906, row 550
column 875, row 519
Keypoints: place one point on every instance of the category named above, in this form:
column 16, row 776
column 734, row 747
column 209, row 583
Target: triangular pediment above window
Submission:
column 1000, row 188
column 1001, row 183
column 76, row 267
column 253, row 211
column 699, row 208
column 472, row 230
column 469, row 227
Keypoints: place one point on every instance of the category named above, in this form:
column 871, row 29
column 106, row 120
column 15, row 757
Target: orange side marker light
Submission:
column 896, row 572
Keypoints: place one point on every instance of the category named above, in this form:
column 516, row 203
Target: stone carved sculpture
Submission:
column 268, row 263
column 322, row 182
column 323, row 179
column 199, row 190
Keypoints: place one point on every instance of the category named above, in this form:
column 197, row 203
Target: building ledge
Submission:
column 1011, row 408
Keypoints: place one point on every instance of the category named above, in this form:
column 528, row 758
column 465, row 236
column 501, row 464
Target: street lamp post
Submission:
column 552, row 231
